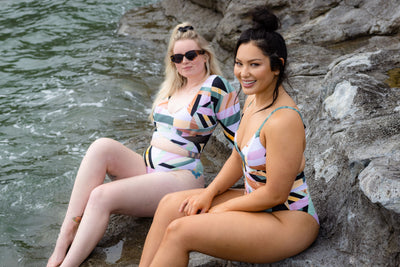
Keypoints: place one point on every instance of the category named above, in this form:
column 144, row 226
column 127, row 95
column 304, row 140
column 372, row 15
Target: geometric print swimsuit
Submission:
column 253, row 156
column 191, row 127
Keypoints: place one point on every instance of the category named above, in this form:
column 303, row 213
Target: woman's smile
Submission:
column 248, row 83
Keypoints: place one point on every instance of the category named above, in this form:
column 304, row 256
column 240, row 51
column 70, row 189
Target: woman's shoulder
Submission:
column 285, row 118
column 218, row 81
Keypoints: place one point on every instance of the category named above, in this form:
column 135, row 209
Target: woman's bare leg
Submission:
column 103, row 156
column 137, row 196
column 238, row 236
column 168, row 211
column 241, row 236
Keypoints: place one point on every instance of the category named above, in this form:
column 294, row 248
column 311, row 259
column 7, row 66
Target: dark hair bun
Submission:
column 264, row 19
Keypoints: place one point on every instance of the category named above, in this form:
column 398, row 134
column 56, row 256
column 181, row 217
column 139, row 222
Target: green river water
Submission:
column 66, row 79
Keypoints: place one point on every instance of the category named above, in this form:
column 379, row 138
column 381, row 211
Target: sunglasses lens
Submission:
column 191, row 55
column 177, row 58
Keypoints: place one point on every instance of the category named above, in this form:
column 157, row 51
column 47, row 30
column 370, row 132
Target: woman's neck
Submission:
column 265, row 99
column 195, row 81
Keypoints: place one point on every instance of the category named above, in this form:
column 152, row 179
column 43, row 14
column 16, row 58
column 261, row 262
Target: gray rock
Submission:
column 344, row 73
column 380, row 182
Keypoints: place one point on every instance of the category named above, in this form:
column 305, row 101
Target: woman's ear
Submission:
column 276, row 63
column 206, row 57
column 283, row 61
column 277, row 71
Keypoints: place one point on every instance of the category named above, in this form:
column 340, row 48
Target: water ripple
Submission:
column 66, row 79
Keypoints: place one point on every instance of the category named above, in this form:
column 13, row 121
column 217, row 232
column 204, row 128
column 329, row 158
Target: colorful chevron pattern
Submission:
column 254, row 159
column 191, row 127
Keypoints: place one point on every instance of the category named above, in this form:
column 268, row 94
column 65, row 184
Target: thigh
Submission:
column 140, row 195
column 118, row 160
column 168, row 209
column 247, row 236
column 176, row 198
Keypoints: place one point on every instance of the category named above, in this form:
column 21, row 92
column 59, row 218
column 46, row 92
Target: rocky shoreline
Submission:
column 344, row 71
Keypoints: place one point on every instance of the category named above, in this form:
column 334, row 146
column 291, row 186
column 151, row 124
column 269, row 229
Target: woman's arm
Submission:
column 227, row 108
column 285, row 139
column 230, row 173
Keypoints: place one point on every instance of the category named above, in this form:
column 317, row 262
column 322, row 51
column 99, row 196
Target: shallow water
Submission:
column 66, row 78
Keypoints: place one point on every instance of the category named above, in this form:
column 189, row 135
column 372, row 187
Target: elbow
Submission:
column 275, row 198
column 281, row 200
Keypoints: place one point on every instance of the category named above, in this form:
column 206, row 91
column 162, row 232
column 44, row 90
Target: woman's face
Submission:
column 253, row 70
column 190, row 68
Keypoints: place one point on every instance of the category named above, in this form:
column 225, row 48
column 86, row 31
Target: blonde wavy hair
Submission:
column 173, row 80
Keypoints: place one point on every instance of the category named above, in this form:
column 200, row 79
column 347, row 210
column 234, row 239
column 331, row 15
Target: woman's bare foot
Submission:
column 64, row 240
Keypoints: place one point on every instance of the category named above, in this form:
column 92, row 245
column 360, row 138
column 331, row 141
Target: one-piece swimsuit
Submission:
column 253, row 156
column 191, row 127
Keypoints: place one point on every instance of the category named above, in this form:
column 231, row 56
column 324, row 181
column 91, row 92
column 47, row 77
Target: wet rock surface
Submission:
column 344, row 73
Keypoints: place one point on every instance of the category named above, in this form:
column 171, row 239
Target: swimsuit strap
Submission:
column 246, row 107
column 292, row 108
column 251, row 102
column 257, row 133
column 238, row 150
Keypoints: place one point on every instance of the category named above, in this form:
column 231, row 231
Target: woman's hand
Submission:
column 196, row 204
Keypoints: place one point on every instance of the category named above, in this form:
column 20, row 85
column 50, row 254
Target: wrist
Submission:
column 212, row 191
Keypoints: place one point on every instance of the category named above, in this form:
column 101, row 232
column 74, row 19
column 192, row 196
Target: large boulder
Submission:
column 344, row 72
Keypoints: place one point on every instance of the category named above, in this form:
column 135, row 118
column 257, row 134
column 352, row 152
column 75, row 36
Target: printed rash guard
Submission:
column 191, row 126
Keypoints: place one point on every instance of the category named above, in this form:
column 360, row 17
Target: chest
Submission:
column 195, row 115
column 181, row 100
column 251, row 131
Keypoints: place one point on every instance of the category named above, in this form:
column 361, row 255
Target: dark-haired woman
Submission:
column 273, row 217
column 190, row 103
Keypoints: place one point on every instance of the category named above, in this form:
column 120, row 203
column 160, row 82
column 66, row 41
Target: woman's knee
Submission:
column 99, row 198
column 170, row 200
column 178, row 231
column 105, row 151
column 102, row 145
column 168, row 208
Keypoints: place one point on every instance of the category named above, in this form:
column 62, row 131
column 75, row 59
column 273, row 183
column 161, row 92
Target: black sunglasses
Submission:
column 190, row 55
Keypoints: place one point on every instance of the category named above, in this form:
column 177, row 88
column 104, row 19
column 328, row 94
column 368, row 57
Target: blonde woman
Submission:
column 192, row 100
